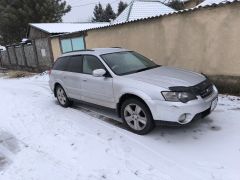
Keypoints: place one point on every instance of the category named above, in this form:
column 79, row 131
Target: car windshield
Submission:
column 125, row 62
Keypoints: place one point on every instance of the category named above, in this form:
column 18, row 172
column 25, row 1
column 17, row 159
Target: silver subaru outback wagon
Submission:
column 142, row 92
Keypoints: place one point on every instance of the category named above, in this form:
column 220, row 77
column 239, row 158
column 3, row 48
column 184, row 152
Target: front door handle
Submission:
column 84, row 80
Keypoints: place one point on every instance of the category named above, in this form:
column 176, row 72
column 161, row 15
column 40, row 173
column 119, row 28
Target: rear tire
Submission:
column 137, row 116
column 62, row 97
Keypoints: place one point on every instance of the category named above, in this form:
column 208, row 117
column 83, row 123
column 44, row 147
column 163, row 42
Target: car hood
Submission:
column 167, row 77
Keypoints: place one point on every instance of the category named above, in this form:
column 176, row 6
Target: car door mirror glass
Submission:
column 99, row 72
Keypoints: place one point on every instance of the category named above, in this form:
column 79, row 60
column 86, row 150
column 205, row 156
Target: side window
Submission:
column 75, row 64
column 90, row 63
column 61, row 64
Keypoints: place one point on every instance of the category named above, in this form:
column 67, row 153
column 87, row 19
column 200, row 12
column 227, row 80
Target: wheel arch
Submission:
column 126, row 96
column 55, row 86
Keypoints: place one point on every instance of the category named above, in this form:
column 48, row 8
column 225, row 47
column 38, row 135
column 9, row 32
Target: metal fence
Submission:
column 32, row 56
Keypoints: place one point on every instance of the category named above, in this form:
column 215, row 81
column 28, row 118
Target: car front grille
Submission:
column 207, row 92
column 204, row 89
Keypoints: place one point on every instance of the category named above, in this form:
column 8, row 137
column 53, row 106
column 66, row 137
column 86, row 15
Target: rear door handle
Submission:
column 84, row 80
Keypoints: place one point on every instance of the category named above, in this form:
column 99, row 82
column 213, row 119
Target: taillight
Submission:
column 49, row 72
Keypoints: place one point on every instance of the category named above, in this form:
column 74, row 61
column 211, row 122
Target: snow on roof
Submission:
column 140, row 9
column 2, row 48
column 55, row 28
column 212, row 2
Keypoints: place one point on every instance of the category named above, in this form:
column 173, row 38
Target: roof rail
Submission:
column 85, row 50
column 116, row 47
column 80, row 50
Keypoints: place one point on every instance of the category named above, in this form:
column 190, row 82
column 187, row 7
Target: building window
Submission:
column 66, row 45
column 72, row 44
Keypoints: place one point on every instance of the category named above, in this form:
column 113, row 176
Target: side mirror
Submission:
column 99, row 72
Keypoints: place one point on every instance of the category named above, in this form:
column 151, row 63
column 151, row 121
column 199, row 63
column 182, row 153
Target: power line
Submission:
column 76, row 1
column 82, row 5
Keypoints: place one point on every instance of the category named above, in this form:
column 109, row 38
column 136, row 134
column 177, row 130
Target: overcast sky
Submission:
column 82, row 10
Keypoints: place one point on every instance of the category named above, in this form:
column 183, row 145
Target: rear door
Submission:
column 72, row 78
column 58, row 71
column 97, row 90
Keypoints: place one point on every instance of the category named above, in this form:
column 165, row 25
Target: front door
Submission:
column 97, row 90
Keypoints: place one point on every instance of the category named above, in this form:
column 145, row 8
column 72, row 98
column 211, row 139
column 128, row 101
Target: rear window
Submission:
column 61, row 64
column 75, row 64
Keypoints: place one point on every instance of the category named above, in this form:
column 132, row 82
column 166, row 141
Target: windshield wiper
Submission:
column 140, row 70
column 144, row 69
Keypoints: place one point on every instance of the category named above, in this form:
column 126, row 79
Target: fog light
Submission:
column 185, row 118
column 182, row 119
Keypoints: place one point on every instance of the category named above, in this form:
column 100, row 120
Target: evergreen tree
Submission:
column 98, row 13
column 16, row 14
column 121, row 7
column 109, row 13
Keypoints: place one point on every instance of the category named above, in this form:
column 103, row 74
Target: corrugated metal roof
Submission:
column 162, row 15
column 176, row 12
column 212, row 2
column 55, row 28
column 139, row 9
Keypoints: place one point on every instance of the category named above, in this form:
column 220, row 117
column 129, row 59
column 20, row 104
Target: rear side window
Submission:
column 90, row 63
column 61, row 64
column 75, row 64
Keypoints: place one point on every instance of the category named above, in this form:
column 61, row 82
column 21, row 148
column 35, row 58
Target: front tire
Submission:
column 62, row 97
column 137, row 116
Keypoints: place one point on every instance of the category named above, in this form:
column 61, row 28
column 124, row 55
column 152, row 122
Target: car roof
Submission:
column 95, row 51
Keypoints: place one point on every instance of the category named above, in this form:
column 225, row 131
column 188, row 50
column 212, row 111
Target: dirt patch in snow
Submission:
column 215, row 128
column 19, row 74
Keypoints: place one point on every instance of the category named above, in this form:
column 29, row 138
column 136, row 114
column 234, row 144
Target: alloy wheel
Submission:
column 61, row 96
column 135, row 117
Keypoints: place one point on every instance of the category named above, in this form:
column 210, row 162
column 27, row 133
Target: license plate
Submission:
column 214, row 104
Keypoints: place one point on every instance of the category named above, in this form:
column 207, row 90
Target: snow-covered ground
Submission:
column 40, row 140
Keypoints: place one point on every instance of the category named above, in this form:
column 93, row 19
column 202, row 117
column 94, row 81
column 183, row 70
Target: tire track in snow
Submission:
column 168, row 162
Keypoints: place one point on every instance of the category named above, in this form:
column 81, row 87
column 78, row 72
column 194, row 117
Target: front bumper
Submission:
column 182, row 113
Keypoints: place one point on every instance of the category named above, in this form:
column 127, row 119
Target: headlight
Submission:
column 178, row 96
